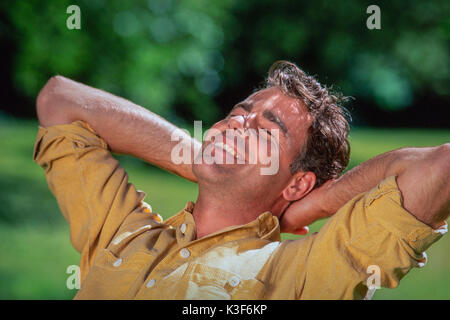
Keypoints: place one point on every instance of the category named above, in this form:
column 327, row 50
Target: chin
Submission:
column 222, row 172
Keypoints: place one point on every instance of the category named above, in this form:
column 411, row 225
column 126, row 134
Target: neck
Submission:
column 216, row 211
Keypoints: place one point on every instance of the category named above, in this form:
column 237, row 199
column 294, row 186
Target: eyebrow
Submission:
column 269, row 115
column 244, row 105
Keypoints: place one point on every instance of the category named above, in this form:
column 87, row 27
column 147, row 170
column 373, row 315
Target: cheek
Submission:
column 268, row 187
column 215, row 130
column 287, row 156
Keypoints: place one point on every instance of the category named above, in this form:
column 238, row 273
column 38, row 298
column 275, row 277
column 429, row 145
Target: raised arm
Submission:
column 125, row 126
column 423, row 177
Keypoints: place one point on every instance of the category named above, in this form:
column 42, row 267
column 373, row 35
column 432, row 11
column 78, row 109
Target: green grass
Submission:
column 34, row 238
column 34, row 262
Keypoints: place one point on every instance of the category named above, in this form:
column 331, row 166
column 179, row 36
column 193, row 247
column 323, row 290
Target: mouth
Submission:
column 227, row 148
column 233, row 145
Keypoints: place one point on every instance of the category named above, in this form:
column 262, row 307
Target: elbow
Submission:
column 445, row 149
column 47, row 92
column 46, row 99
column 439, row 164
column 442, row 154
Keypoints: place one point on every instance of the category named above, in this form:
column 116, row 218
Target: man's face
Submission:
column 268, row 126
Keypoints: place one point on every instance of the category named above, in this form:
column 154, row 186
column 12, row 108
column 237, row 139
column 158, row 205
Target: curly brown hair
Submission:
column 327, row 149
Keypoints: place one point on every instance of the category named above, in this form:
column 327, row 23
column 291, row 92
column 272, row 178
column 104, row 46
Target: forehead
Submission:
column 290, row 109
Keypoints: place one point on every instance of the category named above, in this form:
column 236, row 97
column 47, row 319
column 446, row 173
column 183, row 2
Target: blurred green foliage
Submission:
column 193, row 59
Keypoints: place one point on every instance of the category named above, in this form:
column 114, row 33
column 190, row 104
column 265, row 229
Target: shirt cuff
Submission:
column 80, row 132
column 384, row 202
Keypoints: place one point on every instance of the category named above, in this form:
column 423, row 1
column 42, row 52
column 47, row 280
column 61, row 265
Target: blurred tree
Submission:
column 158, row 53
column 194, row 59
column 399, row 75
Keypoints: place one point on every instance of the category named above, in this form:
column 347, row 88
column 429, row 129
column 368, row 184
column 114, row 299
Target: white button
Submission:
column 183, row 228
column 423, row 261
column 442, row 229
column 118, row 262
column 234, row 281
column 150, row 283
column 185, row 253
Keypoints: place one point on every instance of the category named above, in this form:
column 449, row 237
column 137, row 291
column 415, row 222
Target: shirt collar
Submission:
column 266, row 226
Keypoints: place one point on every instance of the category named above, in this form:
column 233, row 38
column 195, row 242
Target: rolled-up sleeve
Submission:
column 371, row 237
column 90, row 186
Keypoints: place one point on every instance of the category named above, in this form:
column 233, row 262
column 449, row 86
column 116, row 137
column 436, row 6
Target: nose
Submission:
column 241, row 122
column 236, row 123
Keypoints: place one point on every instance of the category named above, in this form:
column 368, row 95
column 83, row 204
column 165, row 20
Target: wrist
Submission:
column 327, row 206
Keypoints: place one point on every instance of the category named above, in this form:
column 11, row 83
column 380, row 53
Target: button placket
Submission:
column 150, row 283
column 118, row 262
column 183, row 228
column 184, row 253
column 234, row 281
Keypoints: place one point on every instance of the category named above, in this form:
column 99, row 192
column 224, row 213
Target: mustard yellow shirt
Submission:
column 128, row 252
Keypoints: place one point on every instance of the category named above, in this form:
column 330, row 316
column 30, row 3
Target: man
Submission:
column 385, row 212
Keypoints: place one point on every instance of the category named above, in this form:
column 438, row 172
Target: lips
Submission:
column 237, row 148
column 226, row 147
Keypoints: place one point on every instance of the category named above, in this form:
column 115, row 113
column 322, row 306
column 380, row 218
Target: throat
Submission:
column 212, row 214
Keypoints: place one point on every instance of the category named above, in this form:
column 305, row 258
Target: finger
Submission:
column 301, row 231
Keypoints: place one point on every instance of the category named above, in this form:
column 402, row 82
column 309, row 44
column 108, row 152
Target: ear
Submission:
column 299, row 186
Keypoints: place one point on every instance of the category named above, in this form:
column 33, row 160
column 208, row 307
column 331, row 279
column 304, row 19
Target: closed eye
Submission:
column 269, row 115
